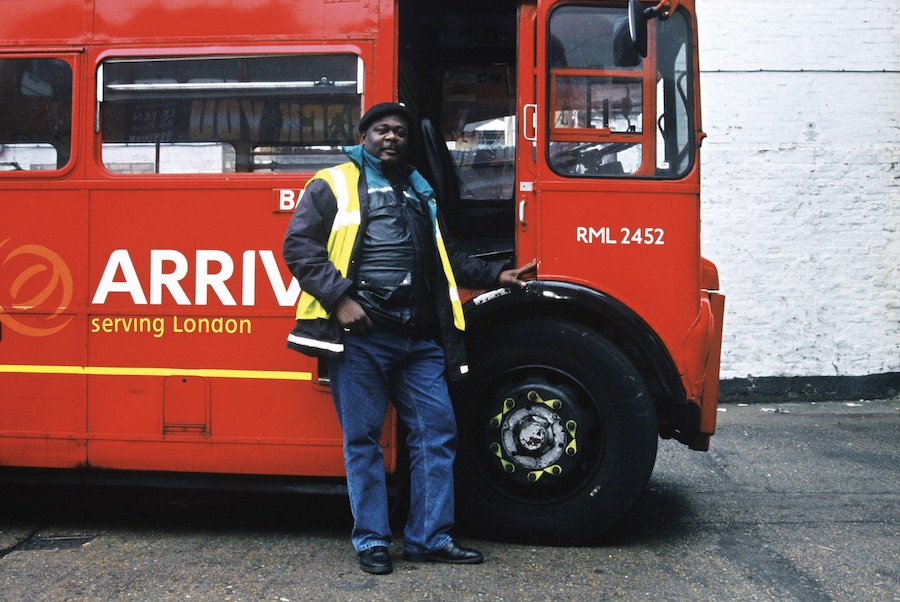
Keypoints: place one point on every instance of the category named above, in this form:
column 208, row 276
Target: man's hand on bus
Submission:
column 351, row 316
column 514, row 277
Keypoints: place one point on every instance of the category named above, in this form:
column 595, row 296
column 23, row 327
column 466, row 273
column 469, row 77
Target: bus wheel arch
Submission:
column 678, row 418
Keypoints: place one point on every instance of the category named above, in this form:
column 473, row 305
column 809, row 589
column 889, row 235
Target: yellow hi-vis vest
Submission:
column 344, row 183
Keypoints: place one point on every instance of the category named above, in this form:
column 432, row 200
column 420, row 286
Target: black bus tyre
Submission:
column 557, row 434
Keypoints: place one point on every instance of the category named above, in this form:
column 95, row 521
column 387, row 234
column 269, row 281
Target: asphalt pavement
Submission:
column 792, row 502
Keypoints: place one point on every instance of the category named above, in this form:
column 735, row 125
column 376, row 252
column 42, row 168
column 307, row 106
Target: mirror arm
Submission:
column 638, row 17
column 664, row 9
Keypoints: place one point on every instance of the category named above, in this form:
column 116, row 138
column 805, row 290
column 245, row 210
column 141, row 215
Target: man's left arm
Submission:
column 472, row 272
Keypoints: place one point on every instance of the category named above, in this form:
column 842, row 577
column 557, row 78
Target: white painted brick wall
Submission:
column 801, row 183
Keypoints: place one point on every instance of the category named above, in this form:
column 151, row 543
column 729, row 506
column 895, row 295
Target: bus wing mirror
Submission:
column 625, row 51
column 637, row 26
column 638, row 17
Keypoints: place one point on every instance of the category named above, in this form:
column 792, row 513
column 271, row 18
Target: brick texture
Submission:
column 801, row 184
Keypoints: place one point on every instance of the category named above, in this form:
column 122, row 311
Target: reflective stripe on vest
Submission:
column 459, row 318
column 344, row 182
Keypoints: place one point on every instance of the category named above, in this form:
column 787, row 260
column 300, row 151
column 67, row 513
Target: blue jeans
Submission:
column 386, row 365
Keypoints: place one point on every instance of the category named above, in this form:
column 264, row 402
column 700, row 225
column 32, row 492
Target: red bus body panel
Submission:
column 199, row 380
column 135, row 385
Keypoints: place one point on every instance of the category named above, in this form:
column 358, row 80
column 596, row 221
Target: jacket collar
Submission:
column 362, row 159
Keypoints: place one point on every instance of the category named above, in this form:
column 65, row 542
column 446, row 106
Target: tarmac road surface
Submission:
column 793, row 502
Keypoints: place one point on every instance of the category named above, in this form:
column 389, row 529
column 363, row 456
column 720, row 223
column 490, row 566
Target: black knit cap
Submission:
column 384, row 109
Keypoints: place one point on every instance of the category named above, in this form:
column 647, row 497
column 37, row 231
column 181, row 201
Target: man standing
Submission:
column 379, row 299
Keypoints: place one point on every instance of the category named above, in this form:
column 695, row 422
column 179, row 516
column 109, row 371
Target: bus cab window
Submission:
column 35, row 114
column 605, row 120
column 228, row 114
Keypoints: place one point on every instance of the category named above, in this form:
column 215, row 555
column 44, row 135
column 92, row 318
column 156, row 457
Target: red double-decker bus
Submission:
column 151, row 152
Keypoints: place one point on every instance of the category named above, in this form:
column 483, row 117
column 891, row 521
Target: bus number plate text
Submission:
column 620, row 236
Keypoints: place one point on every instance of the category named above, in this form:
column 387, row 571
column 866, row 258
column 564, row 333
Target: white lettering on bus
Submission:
column 170, row 280
column 131, row 283
column 626, row 236
column 287, row 199
column 206, row 281
column 589, row 235
column 169, row 267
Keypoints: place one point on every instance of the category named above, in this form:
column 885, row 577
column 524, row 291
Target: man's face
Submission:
column 386, row 139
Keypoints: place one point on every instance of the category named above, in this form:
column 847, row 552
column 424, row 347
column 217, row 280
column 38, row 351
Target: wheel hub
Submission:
column 532, row 437
column 534, row 434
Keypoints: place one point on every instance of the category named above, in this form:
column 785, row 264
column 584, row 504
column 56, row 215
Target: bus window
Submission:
column 169, row 157
column 35, row 114
column 602, row 115
column 480, row 127
column 675, row 141
column 228, row 114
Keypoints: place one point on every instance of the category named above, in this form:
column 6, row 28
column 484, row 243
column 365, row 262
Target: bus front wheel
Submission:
column 557, row 433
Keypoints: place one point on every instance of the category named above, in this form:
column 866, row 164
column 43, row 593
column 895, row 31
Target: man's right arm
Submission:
column 305, row 247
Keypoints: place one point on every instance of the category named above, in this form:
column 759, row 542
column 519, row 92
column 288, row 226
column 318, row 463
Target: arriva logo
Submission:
column 212, row 269
column 35, row 290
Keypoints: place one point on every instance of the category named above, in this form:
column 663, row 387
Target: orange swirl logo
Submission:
column 34, row 281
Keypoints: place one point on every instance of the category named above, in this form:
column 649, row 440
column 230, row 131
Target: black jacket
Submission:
column 306, row 255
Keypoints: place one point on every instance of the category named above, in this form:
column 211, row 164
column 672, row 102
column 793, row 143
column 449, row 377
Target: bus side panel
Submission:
column 27, row 21
column 42, row 343
column 641, row 249
column 207, row 311
column 244, row 457
column 277, row 410
column 172, row 19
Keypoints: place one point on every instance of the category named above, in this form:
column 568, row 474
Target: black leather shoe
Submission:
column 376, row 560
column 449, row 554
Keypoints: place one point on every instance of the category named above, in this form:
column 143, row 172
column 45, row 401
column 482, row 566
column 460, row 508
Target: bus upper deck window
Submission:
column 613, row 114
column 227, row 114
column 35, row 114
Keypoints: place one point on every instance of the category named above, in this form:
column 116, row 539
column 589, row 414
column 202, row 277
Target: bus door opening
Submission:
column 458, row 74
